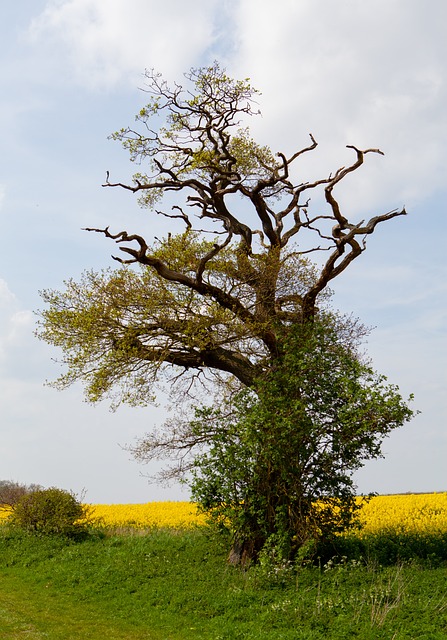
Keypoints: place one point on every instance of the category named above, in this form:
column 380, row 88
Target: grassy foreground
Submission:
column 168, row 585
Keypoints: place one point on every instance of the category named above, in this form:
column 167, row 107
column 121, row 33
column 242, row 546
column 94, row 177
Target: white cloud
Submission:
column 7, row 298
column 21, row 356
column 369, row 74
column 20, row 323
column 108, row 42
column 2, row 194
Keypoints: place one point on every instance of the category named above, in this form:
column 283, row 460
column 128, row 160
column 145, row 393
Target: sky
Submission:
column 369, row 74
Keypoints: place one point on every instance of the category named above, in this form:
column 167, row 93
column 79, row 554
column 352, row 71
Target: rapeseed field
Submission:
column 410, row 513
column 173, row 515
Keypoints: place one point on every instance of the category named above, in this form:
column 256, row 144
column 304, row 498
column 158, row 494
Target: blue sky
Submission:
column 369, row 74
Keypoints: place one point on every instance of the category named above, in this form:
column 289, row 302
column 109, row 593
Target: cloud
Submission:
column 108, row 42
column 7, row 298
column 20, row 322
column 369, row 74
column 2, row 195
column 22, row 357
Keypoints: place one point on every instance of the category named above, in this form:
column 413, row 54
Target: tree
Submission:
column 277, row 469
column 11, row 493
column 50, row 511
column 216, row 300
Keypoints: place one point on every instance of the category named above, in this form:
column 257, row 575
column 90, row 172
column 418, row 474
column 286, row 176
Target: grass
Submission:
column 168, row 585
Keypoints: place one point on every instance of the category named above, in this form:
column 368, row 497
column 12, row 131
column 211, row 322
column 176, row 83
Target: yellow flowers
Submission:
column 4, row 513
column 421, row 513
column 176, row 515
column 410, row 513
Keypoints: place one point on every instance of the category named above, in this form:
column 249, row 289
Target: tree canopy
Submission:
column 219, row 295
column 228, row 295
column 278, row 464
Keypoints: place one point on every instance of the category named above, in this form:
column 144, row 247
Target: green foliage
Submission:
column 387, row 548
column 198, row 140
column 278, row 471
column 50, row 512
column 117, row 328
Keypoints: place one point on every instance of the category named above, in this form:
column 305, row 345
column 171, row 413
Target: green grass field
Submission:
column 176, row 585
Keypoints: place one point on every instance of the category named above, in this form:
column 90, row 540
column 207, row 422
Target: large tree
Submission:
column 277, row 465
column 217, row 298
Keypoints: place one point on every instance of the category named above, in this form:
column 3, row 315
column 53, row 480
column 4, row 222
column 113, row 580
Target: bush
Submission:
column 386, row 548
column 50, row 511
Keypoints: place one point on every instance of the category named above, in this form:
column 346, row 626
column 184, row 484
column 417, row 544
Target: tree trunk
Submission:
column 245, row 552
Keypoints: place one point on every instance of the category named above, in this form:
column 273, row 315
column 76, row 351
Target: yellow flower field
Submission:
column 177, row 515
column 423, row 513
column 412, row 513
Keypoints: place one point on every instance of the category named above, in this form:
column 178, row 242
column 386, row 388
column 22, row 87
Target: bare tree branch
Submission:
column 248, row 199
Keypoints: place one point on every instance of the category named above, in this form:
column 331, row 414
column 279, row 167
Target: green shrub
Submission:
column 386, row 548
column 50, row 511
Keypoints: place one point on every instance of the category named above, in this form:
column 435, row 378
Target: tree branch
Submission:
column 225, row 300
column 213, row 357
